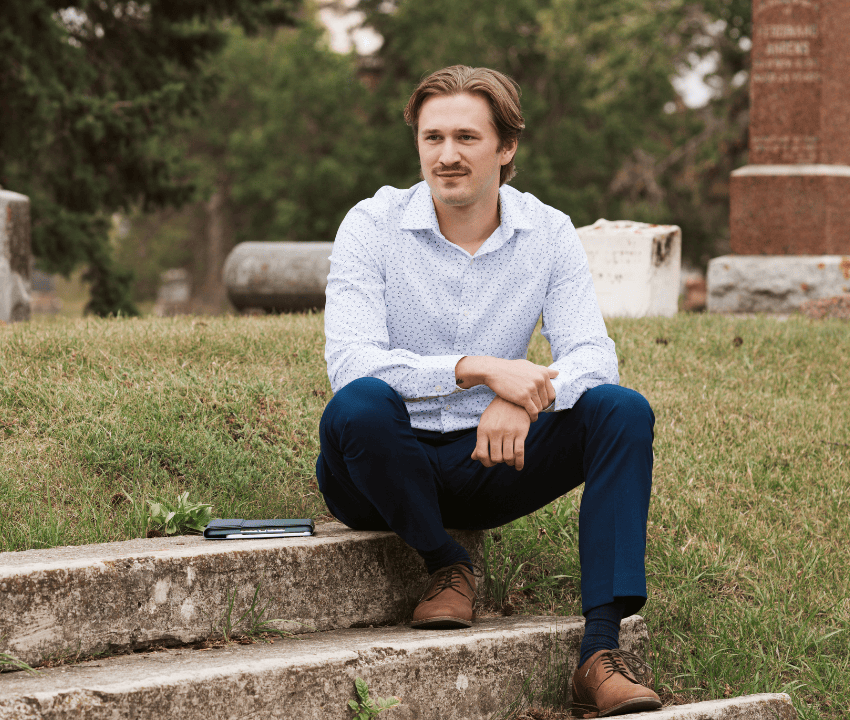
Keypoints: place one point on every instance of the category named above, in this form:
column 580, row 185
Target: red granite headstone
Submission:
column 794, row 197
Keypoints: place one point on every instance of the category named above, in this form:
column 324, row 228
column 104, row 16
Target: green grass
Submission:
column 748, row 569
column 226, row 409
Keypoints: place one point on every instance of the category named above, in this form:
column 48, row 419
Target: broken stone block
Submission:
column 635, row 267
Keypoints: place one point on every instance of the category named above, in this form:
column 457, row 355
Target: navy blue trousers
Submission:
column 376, row 472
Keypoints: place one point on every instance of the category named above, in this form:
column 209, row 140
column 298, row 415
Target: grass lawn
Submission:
column 747, row 560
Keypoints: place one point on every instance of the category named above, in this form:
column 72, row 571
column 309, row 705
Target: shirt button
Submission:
column 439, row 388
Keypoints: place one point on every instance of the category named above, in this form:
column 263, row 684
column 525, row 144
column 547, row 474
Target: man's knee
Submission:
column 621, row 406
column 363, row 401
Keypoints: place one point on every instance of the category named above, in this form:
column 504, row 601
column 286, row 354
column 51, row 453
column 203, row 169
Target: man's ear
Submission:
column 508, row 152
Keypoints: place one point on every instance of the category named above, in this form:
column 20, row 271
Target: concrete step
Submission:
column 127, row 595
column 445, row 674
column 767, row 706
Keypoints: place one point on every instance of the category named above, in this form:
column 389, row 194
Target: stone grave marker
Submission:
column 15, row 257
column 174, row 294
column 635, row 266
column 792, row 202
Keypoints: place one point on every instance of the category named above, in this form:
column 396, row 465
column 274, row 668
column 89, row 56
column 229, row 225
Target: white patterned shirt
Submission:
column 405, row 305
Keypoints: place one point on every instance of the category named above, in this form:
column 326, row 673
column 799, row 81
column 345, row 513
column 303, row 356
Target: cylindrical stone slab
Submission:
column 15, row 257
column 278, row 276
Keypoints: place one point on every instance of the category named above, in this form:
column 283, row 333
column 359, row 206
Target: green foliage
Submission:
column 10, row 661
column 531, row 542
column 501, row 570
column 226, row 409
column 178, row 517
column 288, row 136
column 88, row 92
column 365, row 708
column 286, row 144
column 252, row 622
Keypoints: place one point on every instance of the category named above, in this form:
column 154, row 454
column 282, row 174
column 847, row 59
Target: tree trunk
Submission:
column 212, row 297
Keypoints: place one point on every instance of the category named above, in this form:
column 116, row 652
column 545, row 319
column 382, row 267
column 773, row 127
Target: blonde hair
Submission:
column 501, row 93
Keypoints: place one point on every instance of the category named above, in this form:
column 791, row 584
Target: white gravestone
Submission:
column 174, row 294
column 15, row 257
column 636, row 267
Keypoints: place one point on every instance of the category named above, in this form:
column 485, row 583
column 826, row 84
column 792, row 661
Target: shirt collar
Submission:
column 420, row 214
column 513, row 215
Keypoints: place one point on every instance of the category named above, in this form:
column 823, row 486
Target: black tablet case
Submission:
column 219, row 529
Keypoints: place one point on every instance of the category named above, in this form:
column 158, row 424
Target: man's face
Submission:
column 459, row 149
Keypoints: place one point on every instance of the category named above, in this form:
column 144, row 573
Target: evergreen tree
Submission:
column 89, row 93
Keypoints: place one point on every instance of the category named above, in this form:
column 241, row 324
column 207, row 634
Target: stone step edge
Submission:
column 113, row 597
column 454, row 675
column 764, row 706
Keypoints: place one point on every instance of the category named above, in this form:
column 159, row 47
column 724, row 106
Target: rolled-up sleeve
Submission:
column 583, row 353
column 357, row 339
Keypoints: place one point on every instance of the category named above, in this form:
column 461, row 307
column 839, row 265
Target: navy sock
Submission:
column 601, row 630
column 447, row 554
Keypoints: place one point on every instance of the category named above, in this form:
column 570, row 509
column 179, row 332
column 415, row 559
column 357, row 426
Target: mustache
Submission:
column 452, row 168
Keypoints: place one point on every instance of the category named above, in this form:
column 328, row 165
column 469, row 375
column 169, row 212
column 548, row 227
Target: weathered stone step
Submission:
column 95, row 598
column 767, row 706
column 445, row 674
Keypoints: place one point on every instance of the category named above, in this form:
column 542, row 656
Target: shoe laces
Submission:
column 448, row 579
column 626, row 663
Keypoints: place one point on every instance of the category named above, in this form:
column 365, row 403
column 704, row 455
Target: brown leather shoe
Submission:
column 448, row 601
column 607, row 685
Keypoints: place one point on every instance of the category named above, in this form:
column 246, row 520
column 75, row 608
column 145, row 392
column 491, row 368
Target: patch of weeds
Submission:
column 252, row 623
column 10, row 662
column 364, row 707
column 501, row 570
column 544, row 692
column 526, row 561
column 165, row 518
column 519, row 699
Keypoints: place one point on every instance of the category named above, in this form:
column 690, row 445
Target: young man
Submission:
column 438, row 420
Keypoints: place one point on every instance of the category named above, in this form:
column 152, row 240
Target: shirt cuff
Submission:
column 561, row 385
column 438, row 377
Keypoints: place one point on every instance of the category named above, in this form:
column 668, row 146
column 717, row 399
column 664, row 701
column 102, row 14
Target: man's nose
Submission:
column 449, row 153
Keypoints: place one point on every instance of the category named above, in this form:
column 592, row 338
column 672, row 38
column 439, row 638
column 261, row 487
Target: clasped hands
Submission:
column 523, row 389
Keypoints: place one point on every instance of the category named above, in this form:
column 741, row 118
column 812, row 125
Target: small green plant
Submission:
column 252, row 623
column 545, row 686
column 11, row 660
column 501, row 570
column 179, row 517
column 364, row 707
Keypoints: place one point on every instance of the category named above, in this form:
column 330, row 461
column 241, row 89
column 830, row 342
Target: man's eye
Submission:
column 432, row 137
column 467, row 137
